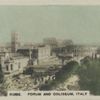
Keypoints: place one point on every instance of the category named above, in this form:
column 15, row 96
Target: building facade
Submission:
column 38, row 54
column 14, row 42
column 12, row 64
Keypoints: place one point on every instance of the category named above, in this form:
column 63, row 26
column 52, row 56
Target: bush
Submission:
column 64, row 73
column 89, row 74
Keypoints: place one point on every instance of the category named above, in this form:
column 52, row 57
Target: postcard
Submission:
column 49, row 50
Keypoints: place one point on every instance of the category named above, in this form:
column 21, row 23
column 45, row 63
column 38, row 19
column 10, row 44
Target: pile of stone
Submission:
column 21, row 84
column 25, row 82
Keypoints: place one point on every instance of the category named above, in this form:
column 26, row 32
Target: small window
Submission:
column 11, row 66
column 7, row 67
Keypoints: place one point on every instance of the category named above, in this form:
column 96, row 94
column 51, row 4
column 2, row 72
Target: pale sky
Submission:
column 79, row 23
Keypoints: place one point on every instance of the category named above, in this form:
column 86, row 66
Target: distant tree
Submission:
column 67, row 70
column 89, row 75
column 63, row 74
column 86, row 60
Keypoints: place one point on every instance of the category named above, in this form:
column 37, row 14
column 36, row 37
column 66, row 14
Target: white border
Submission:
column 49, row 2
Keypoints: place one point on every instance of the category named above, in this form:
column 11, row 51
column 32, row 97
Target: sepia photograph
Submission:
column 50, row 48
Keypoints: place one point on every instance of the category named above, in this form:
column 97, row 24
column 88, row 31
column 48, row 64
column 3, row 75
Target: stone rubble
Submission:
column 24, row 83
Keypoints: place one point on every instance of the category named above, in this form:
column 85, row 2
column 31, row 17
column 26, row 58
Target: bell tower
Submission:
column 14, row 42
